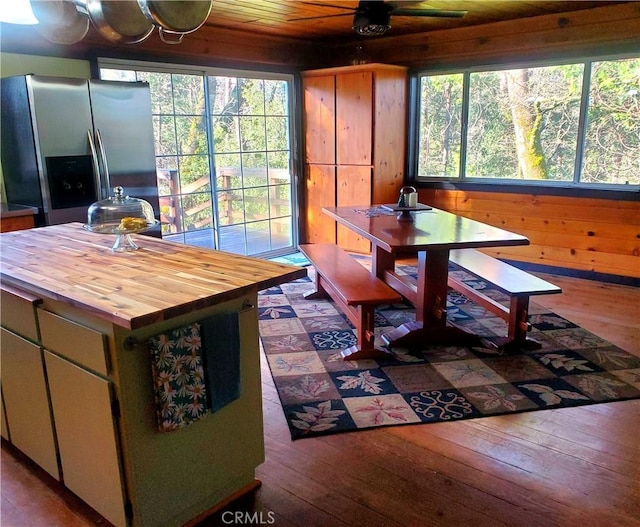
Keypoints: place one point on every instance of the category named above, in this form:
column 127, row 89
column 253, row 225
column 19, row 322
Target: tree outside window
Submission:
column 571, row 123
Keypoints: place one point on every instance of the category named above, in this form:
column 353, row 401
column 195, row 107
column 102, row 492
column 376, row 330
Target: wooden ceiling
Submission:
column 269, row 33
column 278, row 17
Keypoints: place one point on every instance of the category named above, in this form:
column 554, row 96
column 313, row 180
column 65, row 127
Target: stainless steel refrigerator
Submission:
column 66, row 143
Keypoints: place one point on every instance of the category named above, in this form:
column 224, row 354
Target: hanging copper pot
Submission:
column 119, row 20
column 60, row 21
column 177, row 17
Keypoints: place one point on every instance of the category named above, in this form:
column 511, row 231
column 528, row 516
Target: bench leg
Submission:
column 365, row 349
column 319, row 292
column 362, row 317
column 518, row 322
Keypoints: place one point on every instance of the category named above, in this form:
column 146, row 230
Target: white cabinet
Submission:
column 24, row 391
column 81, row 394
column 87, row 440
column 26, row 415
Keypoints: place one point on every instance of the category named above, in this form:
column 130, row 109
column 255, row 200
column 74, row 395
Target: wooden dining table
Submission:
column 430, row 234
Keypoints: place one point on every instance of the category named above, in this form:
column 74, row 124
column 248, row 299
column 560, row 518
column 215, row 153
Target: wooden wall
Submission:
column 586, row 234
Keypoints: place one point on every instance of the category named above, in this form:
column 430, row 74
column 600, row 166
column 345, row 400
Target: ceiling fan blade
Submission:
column 428, row 12
column 318, row 17
column 314, row 4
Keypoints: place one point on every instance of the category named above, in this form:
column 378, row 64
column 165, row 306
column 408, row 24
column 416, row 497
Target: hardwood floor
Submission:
column 555, row 468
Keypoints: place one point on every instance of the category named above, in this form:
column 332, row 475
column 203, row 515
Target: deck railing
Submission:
column 172, row 215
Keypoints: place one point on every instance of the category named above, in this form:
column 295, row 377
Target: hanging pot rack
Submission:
column 122, row 21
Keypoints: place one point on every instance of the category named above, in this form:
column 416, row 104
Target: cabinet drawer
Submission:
column 18, row 313
column 76, row 342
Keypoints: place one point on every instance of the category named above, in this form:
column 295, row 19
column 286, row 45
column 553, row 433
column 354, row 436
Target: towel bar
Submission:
column 131, row 343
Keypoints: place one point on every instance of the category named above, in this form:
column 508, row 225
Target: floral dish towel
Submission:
column 178, row 377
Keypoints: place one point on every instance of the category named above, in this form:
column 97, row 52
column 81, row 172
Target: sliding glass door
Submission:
column 223, row 157
column 252, row 157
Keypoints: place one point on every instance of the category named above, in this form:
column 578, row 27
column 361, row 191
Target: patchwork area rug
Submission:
column 323, row 394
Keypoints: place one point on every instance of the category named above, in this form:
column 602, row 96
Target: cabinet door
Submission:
column 26, row 401
column 82, row 411
column 321, row 192
column 353, row 188
column 354, row 118
column 320, row 119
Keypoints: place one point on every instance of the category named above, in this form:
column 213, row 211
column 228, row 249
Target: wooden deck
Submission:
column 575, row 467
column 233, row 241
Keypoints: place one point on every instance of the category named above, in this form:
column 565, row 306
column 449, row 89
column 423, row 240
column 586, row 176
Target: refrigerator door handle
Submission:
column 105, row 167
column 96, row 165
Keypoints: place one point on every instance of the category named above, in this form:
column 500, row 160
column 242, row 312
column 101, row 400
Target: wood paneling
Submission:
column 389, row 134
column 585, row 234
column 320, row 120
column 263, row 33
column 370, row 134
column 598, row 30
column 353, row 189
column 354, row 119
column 320, row 192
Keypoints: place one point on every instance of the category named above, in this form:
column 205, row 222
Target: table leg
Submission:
column 431, row 326
column 381, row 261
column 431, row 308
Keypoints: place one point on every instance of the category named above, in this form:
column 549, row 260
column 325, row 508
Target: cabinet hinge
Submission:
column 115, row 408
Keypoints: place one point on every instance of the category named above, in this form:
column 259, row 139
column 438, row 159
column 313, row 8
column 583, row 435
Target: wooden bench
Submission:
column 518, row 284
column 354, row 289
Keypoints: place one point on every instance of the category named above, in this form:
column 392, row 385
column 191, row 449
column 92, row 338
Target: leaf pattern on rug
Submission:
column 317, row 419
column 288, row 343
column 315, row 309
column 600, row 385
column 578, row 339
column 620, row 359
column 560, row 361
column 309, row 387
column 552, row 396
column 364, row 381
column 378, row 411
column 495, row 397
column 294, row 364
column 276, row 312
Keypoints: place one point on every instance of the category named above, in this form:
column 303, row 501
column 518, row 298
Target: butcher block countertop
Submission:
column 159, row 281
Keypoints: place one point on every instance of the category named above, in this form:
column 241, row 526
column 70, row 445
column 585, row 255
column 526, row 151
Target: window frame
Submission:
column 215, row 71
column 462, row 182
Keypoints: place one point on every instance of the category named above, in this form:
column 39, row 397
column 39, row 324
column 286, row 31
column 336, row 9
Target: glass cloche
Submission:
column 120, row 215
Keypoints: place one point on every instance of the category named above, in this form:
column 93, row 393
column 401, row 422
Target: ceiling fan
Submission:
column 373, row 17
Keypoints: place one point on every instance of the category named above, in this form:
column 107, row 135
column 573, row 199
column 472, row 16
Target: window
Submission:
column 223, row 156
column 576, row 124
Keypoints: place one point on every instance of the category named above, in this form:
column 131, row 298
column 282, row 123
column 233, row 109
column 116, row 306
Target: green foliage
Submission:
column 525, row 123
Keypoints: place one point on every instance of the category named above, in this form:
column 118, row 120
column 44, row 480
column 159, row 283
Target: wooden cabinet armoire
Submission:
column 355, row 143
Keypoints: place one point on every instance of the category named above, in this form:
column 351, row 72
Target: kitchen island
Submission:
column 76, row 368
